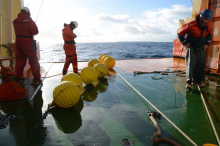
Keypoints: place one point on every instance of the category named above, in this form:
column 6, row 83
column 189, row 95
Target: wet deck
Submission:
column 144, row 65
column 113, row 111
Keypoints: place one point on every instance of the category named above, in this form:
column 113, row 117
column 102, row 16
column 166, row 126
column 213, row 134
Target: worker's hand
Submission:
column 187, row 45
column 205, row 47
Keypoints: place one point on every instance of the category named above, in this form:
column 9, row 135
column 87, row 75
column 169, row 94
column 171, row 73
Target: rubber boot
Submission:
column 19, row 67
column 75, row 64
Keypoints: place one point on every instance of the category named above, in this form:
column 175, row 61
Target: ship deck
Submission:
column 116, row 109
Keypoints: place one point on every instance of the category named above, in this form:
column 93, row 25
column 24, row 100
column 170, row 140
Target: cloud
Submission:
column 114, row 18
column 176, row 11
column 159, row 24
column 162, row 22
column 132, row 30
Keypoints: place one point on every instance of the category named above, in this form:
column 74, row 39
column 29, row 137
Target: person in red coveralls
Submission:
column 69, row 46
column 25, row 28
column 196, row 37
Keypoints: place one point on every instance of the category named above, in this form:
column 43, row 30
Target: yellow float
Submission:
column 89, row 76
column 109, row 62
column 102, row 70
column 92, row 62
column 72, row 77
column 100, row 57
column 103, row 58
column 66, row 94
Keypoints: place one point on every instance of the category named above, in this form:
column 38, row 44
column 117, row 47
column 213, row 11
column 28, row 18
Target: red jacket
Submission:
column 68, row 34
column 24, row 25
column 193, row 31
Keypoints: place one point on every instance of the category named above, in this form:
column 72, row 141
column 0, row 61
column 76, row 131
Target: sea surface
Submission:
column 117, row 50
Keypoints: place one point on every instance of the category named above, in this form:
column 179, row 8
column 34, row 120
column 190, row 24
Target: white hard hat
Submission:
column 25, row 9
column 75, row 23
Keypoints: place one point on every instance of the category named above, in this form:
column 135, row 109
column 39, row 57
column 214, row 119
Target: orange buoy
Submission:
column 109, row 62
column 103, row 58
column 100, row 57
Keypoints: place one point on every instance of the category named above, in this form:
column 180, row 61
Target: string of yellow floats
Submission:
column 67, row 93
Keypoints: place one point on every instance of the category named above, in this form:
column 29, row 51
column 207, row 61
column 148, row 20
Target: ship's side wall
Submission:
column 213, row 53
column 9, row 10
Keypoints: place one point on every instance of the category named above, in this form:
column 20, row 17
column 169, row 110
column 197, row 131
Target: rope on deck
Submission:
column 39, row 86
column 158, row 111
column 179, row 59
column 210, row 119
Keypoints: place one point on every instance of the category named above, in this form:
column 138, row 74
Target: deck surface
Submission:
column 144, row 65
column 113, row 110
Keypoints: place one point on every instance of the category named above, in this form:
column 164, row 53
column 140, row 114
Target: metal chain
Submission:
column 44, row 116
column 4, row 119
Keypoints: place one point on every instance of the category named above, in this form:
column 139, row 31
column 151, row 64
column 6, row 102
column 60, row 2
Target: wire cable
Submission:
column 158, row 110
column 39, row 11
column 28, row 3
column 35, row 92
column 179, row 59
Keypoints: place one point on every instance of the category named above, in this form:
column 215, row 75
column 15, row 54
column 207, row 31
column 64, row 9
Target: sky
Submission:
column 109, row 20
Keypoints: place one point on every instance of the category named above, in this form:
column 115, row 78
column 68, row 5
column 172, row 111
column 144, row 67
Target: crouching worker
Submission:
column 196, row 37
column 25, row 28
column 69, row 46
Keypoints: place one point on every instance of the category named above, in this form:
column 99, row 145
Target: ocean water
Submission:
column 117, row 50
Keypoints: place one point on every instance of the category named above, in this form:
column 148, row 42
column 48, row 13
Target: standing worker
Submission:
column 196, row 36
column 25, row 28
column 69, row 46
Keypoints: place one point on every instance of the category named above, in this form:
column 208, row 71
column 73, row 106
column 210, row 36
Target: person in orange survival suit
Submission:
column 25, row 28
column 196, row 37
column 69, row 46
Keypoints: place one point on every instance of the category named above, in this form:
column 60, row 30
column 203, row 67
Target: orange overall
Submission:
column 70, row 49
column 25, row 28
column 197, row 36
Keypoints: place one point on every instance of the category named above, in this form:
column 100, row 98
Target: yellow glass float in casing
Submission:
column 89, row 76
column 102, row 70
column 103, row 58
column 100, row 57
column 66, row 94
column 109, row 62
column 72, row 77
column 92, row 62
